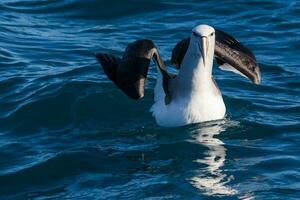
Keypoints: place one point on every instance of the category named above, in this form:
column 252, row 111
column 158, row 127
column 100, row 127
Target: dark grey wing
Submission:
column 110, row 65
column 130, row 72
column 179, row 52
column 232, row 55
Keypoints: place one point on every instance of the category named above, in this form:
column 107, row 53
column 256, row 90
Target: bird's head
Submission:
column 203, row 37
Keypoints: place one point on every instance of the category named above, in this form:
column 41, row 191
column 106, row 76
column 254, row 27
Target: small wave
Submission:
column 60, row 104
column 89, row 9
column 66, row 131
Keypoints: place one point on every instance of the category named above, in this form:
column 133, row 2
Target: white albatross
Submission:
column 192, row 96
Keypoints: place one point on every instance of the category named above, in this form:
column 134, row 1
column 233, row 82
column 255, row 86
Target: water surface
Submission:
column 67, row 132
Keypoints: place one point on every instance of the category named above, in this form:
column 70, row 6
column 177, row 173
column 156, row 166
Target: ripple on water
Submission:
column 67, row 132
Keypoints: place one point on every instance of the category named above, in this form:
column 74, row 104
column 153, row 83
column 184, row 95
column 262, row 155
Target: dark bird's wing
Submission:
column 179, row 52
column 231, row 55
column 130, row 72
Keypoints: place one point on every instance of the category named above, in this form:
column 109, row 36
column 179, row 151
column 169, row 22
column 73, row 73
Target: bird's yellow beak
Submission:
column 204, row 46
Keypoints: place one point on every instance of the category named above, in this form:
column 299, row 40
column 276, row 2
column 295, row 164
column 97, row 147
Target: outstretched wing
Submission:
column 110, row 65
column 130, row 72
column 230, row 54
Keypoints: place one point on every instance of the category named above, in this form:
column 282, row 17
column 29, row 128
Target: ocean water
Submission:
column 66, row 132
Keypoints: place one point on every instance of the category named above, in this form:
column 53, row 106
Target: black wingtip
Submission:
column 133, row 89
column 99, row 56
column 109, row 64
column 105, row 59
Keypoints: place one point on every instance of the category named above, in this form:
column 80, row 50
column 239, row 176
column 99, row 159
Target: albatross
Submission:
column 191, row 96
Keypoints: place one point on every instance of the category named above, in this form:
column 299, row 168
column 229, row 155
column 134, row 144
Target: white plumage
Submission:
column 192, row 96
column 195, row 96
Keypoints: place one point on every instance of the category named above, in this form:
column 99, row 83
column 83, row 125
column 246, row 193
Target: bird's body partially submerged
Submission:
column 189, row 106
column 195, row 95
column 192, row 96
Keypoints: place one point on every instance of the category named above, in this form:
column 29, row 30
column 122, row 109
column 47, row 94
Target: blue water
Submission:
column 66, row 132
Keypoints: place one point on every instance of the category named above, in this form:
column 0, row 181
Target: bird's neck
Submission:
column 193, row 74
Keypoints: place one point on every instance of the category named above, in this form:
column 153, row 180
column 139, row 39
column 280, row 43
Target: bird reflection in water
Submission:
column 211, row 180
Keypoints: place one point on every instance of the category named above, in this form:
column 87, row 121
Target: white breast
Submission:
column 200, row 106
column 194, row 95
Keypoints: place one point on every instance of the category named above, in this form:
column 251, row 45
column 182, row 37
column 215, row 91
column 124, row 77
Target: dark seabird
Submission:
column 192, row 96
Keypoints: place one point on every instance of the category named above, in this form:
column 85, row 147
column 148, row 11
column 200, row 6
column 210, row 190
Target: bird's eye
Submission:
column 212, row 34
column 195, row 34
